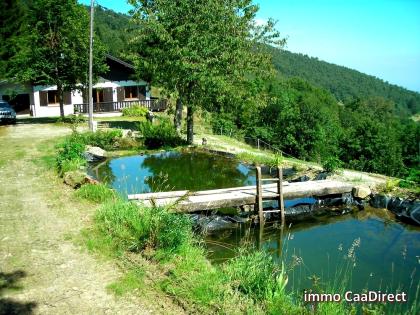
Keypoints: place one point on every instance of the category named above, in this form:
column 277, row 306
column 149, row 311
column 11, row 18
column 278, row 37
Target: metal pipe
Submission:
column 92, row 6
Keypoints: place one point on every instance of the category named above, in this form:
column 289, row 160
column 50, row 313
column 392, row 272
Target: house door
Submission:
column 98, row 95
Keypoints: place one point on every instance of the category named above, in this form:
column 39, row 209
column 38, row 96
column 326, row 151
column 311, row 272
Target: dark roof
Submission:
column 119, row 70
column 125, row 64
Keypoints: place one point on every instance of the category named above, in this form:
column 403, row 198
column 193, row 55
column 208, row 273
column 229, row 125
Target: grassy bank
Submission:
column 165, row 245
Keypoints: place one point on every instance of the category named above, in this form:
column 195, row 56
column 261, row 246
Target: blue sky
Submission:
column 377, row 37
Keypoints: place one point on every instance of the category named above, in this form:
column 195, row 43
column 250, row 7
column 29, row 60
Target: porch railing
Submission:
column 154, row 105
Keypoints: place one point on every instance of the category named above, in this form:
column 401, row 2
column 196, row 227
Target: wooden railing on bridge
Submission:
column 277, row 196
column 154, row 105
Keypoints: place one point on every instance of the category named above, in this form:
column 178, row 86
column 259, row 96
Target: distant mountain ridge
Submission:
column 344, row 83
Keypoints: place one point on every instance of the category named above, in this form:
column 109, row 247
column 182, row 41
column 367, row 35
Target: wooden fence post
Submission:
column 259, row 195
column 280, row 193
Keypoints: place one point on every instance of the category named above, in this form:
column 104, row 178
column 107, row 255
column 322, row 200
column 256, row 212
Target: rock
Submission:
column 303, row 178
column 361, row 191
column 379, row 201
column 127, row 133
column 94, row 154
column 208, row 224
column 322, row 176
column 150, row 116
column 91, row 180
column 75, row 179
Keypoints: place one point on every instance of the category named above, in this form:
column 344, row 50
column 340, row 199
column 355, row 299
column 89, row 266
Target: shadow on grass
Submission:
column 9, row 281
column 37, row 120
column 121, row 124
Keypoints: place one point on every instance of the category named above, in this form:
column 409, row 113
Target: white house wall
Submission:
column 76, row 96
column 52, row 110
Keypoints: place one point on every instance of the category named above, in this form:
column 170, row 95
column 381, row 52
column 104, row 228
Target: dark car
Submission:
column 7, row 113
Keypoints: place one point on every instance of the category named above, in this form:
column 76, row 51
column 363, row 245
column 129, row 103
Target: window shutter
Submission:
column 108, row 95
column 142, row 92
column 43, row 98
column 85, row 95
column 67, row 98
column 120, row 94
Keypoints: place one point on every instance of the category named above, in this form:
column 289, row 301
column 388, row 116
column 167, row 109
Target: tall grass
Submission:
column 135, row 228
column 252, row 282
column 98, row 193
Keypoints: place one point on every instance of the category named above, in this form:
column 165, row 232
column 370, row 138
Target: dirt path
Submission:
column 41, row 270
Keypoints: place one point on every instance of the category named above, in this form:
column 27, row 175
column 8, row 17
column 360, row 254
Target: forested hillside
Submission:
column 113, row 29
column 346, row 84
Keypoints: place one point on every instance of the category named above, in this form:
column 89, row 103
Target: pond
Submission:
column 170, row 171
column 386, row 253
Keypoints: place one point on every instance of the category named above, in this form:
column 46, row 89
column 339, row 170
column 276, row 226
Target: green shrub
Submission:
column 96, row 193
column 135, row 111
column 70, row 154
column 331, row 164
column 134, row 228
column 224, row 124
column 104, row 139
column 159, row 135
column 412, row 180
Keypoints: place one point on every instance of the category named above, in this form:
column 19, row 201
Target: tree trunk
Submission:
column 178, row 116
column 61, row 99
column 190, row 125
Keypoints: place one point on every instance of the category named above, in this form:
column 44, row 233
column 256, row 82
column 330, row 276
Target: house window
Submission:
column 131, row 92
column 53, row 97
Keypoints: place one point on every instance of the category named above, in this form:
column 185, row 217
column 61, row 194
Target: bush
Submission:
column 224, row 124
column 412, row 180
column 135, row 111
column 135, row 228
column 331, row 164
column 101, row 138
column 159, row 135
column 70, row 155
column 70, row 152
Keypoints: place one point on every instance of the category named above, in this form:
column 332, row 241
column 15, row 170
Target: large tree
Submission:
column 201, row 50
column 53, row 46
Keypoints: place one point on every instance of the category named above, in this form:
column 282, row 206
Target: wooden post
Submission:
column 258, row 143
column 280, row 193
column 260, row 235
column 259, row 195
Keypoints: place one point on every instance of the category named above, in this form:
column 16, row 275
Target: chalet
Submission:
column 114, row 91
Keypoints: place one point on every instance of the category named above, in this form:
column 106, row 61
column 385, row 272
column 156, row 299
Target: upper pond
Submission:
column 386, row 252
column 166, row 171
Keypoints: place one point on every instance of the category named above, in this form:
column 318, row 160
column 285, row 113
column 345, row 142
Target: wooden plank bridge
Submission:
column 188, row 201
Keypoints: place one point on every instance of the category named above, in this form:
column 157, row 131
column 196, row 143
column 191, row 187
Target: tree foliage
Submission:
column 202, row 50
column 52, row 47
column 309, row 123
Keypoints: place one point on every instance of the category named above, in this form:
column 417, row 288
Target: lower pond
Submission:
column 363, row 250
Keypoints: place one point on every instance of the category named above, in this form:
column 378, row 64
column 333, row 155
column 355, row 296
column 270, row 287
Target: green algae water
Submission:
column 365, row 250
column 170, row 171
